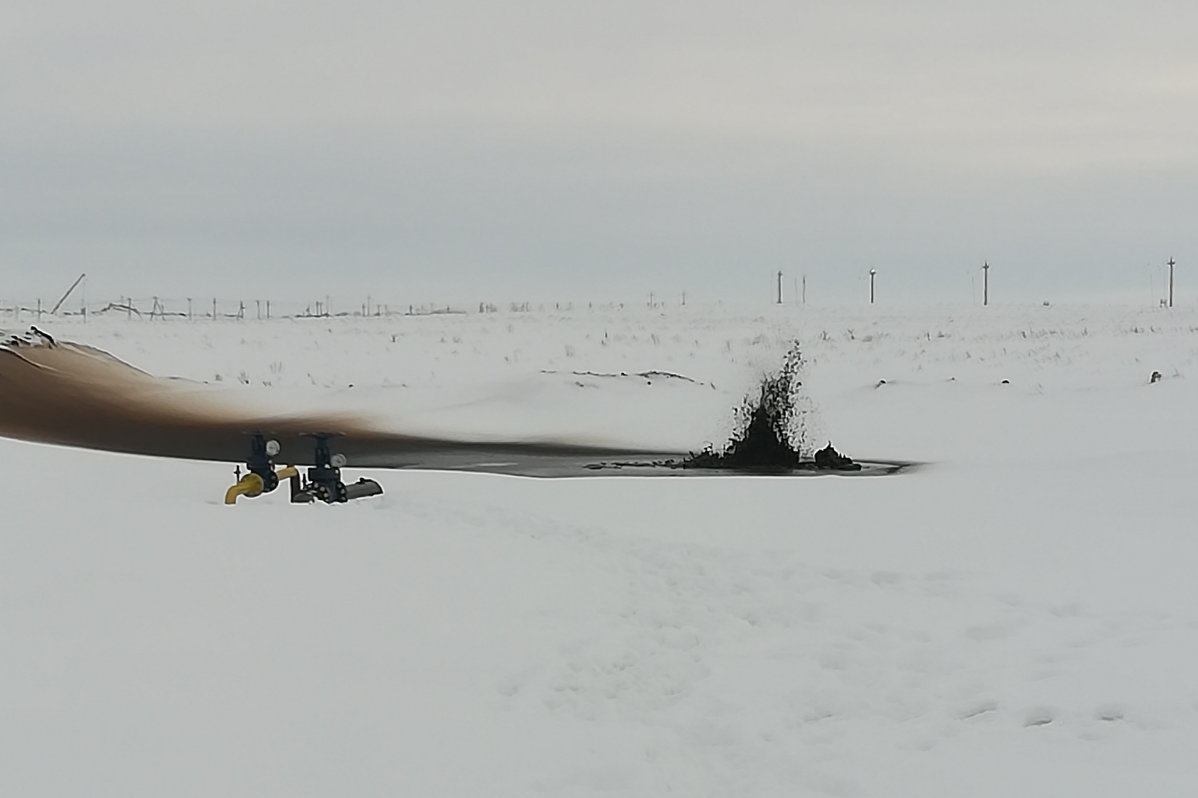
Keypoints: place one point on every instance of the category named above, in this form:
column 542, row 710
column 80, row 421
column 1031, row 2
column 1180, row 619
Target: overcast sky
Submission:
column 470, row 150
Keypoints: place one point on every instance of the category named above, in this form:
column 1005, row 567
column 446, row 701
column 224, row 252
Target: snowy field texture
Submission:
column 1017, row 618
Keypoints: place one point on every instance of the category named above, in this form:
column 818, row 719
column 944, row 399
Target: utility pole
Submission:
column 779, row 286
column 985, row 283
column 1172, row 263
column 873, row 273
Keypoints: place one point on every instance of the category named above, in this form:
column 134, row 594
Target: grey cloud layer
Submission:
column 610, row 147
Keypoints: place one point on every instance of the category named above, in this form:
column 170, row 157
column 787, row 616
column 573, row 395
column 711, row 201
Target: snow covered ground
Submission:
column 1017, row 618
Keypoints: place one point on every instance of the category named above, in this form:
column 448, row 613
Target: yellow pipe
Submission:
column 250, row 486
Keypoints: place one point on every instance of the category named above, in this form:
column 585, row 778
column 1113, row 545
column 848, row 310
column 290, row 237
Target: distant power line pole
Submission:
column 1172, row 263
column 873, row 273
column 985, row 283
column 779, row 286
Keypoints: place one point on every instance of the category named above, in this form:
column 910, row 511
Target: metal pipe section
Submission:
column 362, row 488
column 249, row 486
